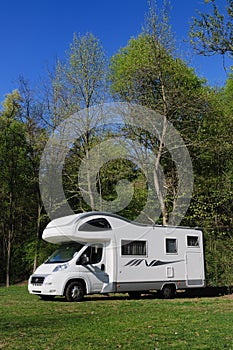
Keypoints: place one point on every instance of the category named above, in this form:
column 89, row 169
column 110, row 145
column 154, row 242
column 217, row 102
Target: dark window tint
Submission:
column 94, row 254
column 133, row 247
column 100, row 224
column 193, row 241
column 171, row 245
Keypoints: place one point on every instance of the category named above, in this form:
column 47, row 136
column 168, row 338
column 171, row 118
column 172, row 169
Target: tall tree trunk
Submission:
column 39, row 210
column 89, row 185
column 9, row 239
column 8, row 258
column 157, row 183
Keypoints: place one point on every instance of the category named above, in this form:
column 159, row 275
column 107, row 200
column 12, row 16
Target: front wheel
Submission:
column 75, row 291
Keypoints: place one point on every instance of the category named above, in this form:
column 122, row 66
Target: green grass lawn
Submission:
column 114, row 322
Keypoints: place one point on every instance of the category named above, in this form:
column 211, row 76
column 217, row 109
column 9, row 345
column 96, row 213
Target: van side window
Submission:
column 192, row 241
column 171, row 245
column 133, row 248
column 100, row 224
column 94, row 254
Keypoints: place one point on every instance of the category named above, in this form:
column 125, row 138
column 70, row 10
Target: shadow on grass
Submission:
column 208, row 292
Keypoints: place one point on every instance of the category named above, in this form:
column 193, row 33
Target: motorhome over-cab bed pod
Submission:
column 91, row 227
column 80, row 228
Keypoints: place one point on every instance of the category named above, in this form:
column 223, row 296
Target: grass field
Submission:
column 114, row 322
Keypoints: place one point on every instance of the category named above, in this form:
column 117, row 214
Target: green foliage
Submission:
column 147, row 73
column 20, row 148
column 212, row 33
column 15, row 169
column 44, row 250
column 219, row 255
column 11, row 104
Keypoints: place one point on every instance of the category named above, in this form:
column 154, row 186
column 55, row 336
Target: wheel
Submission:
column 75, row 291
column 168, row 291
column 134, row 295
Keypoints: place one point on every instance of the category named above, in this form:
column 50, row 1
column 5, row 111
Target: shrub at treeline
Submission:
column 148, row 72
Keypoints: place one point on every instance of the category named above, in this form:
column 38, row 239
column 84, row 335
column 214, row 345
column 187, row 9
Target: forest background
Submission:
column 149, row 72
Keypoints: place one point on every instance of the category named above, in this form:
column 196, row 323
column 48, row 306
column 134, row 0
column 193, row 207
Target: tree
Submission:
column 78, row 83
column 14, row 172
column 212, row 33
column 147, row 72
column 86, row 71
column 86, row 77
column 32, row 117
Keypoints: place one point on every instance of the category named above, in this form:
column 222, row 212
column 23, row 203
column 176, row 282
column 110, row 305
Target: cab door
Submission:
column 93, row 262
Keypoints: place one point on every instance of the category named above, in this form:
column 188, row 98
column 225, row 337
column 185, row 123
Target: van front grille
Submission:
column 38, row 280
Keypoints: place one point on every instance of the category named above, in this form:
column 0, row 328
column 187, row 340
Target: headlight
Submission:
column 61, row 267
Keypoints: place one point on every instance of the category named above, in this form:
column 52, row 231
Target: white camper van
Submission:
column 105, row 253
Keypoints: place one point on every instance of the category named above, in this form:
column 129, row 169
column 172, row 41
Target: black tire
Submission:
column 168, row 291
column 134, row 295
column 75, row 291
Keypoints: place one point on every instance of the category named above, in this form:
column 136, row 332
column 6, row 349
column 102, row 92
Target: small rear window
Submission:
column 192, row 241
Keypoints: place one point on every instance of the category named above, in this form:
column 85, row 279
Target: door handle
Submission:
column 102, row 267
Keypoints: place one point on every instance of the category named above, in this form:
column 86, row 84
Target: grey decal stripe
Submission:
column 136, row 262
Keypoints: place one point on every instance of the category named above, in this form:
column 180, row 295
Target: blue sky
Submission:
column 34, row 32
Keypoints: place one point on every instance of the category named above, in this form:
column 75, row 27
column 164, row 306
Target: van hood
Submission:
column 46, row 269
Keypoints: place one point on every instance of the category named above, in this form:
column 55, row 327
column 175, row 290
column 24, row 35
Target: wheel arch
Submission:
column 171, row 284
column 81, row 280
column 168, row 290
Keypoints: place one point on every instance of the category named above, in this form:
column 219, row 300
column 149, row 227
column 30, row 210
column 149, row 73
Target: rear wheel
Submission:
column 75, row 291
column 168, row 291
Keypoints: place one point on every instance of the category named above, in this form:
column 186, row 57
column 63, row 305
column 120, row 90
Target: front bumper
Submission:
column 43, row 285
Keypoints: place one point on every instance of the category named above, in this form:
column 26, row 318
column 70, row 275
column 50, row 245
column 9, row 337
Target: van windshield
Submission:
column 64, row 253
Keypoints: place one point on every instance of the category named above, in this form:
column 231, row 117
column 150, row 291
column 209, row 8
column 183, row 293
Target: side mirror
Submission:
column 84, row 259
